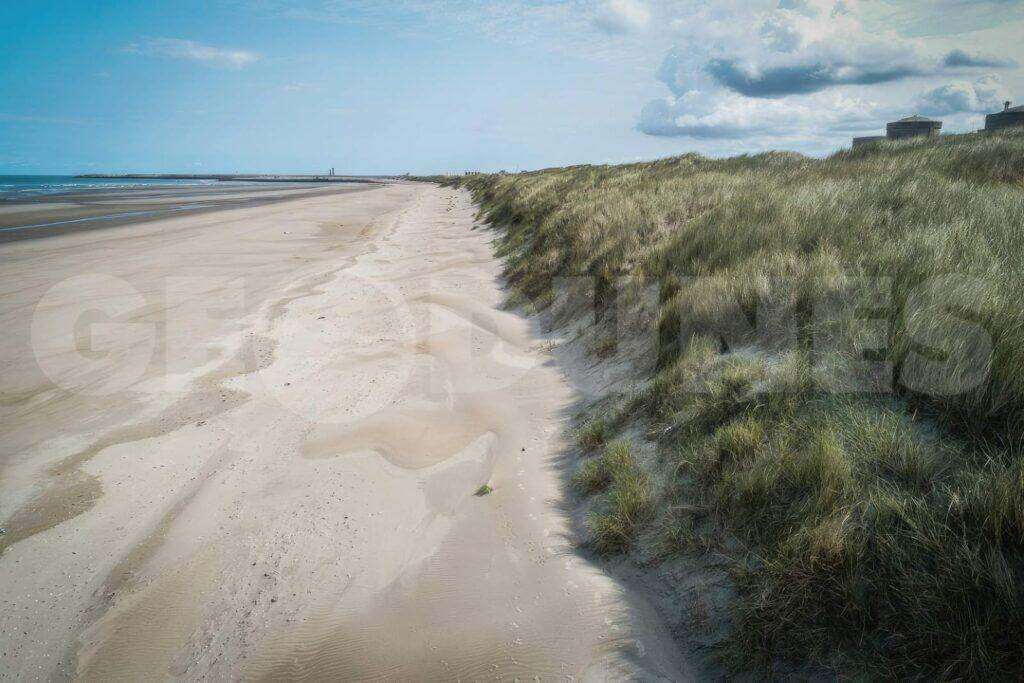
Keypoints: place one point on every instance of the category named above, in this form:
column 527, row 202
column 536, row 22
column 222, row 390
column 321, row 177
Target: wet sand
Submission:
column 245, row 444
column 49, row 215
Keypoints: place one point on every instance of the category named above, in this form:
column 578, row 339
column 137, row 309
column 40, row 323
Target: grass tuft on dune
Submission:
column 836, row 382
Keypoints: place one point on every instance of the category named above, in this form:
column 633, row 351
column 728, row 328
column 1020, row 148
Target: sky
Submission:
column 423, row 86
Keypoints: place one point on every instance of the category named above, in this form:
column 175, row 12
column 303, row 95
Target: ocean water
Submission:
column 27, row 186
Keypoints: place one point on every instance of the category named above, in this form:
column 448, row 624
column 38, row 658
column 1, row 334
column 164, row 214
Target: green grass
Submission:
column 604, row 347
column 627, row 499
column 594, row 433
column 596, row 473
column 483, row 490
column 879, row 515
column 601, row 424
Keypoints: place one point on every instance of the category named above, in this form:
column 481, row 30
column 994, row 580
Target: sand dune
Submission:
column 275, row 475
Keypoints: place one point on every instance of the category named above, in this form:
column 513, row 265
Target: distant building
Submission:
column 912, row 127
column 867, row 140
column 1009, row 117
column 909, row 127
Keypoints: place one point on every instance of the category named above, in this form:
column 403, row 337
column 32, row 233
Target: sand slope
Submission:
column 285, row 489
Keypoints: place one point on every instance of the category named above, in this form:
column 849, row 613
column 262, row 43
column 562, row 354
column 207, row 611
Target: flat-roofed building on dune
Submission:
column 909, row 127
column 912, row 127
column 1009, row 117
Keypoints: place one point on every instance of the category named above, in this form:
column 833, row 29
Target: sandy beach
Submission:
column 245, row 444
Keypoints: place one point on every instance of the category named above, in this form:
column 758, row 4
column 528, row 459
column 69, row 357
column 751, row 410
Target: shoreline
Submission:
column 249, row 178
column 64, row 213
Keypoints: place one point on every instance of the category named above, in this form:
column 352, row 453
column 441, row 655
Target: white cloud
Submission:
column 795, row 47
column 780, row 34
column 784, row 70
column 622, row 16
column 805, row 46
column 811, row 46
column 178, row 48
column 984, row 95
column 731, row 116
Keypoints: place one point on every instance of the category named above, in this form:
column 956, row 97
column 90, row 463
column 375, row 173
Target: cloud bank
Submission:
column 960, row 58
column 983, row 95
column 733, row 117
column 811, row 68
column 813, row 76
column 816, row 69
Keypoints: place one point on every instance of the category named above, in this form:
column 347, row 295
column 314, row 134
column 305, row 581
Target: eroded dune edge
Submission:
column 286, row 487
column 809, row 437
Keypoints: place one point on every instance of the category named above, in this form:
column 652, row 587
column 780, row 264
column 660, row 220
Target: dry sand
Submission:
column 245, row 444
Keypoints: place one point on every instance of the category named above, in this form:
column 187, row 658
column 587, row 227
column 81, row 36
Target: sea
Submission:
column 28, row 186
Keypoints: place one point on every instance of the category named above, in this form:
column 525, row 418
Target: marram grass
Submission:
column 879, row 512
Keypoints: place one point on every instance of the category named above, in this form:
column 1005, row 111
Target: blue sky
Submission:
column 424, row 85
